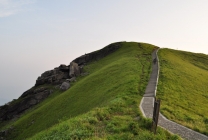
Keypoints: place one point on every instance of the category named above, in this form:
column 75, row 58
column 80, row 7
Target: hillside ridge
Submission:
column 59, row 77
column 100, row 105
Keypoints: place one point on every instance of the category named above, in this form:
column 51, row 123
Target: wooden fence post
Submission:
column 156, row 112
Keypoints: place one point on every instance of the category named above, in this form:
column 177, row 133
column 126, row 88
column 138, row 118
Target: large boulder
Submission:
column 55, row 76
column 64, row 86
column 74, row 70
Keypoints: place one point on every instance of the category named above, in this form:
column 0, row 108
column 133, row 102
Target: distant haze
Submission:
column 38, row 35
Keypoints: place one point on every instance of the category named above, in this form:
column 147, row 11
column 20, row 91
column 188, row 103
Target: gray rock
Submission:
column 64, row 68
column 53, row 76
column 74, row 70
column 27, row 93
column 82, row 59
column 40, row 81
column 47, row 73
column 32, row 102
column 64, row 86
column 39, row 90
column 42, row 95
column 73, row 79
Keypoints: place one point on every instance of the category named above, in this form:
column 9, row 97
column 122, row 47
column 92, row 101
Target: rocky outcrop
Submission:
column 59, row 77
column 63, row 68
column 26, row 101
column 55, row 76
column 74, row 70
column 60, row 74
column 64, row 86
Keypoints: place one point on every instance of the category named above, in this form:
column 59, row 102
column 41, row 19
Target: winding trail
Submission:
column 147, row 103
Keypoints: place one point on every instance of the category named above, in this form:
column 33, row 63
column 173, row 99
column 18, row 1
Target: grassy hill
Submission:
column 101, row 105
column 183, row 88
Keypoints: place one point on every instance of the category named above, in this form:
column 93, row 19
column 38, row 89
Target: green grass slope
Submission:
column 183, row 88
column 101, row 105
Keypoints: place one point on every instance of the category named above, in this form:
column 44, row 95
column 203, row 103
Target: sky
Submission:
column 39, row 35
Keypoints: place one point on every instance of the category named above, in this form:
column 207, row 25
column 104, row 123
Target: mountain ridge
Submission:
column 100, row 105
column 55, row 77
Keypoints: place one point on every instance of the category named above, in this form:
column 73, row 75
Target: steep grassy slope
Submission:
column 103, row 104
column 183, row 88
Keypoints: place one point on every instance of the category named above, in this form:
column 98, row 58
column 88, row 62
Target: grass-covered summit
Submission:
column 183, row 88
column 101, row 105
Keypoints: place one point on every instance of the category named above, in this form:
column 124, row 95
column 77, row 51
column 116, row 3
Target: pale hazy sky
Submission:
column 38, row 35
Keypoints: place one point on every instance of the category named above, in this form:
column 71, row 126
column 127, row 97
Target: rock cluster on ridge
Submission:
column 60, row 74
column 58, row 77
column 55, row 76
